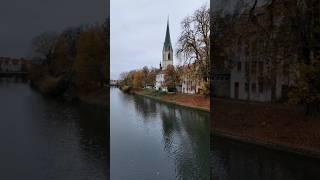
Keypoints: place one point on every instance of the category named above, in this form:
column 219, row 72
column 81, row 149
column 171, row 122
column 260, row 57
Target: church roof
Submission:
column 167, row 42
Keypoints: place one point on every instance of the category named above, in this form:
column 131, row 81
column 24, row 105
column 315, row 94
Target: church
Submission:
column 167, row 59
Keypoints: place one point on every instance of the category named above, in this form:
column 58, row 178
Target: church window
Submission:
column 169, row 56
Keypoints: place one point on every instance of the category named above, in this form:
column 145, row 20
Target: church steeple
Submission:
column 167, row 43
column 167, row 52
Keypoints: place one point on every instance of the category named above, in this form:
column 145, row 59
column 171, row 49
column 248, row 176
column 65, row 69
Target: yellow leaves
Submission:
column 90, row 64
column 138, row 79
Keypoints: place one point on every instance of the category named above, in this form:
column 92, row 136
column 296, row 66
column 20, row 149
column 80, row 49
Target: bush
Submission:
column 126, row 89
column 50, row 85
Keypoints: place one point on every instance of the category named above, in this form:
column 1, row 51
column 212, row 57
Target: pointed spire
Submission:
column 167, row 42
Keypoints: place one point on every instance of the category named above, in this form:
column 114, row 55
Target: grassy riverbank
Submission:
column 275, row 126
column 192, row 101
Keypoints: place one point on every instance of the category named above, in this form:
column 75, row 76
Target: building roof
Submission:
column 167, row 43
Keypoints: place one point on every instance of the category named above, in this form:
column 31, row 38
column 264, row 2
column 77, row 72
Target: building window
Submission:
column 261, row 86
column 253, row 87
column 254, row 67
column 285, row 70
column 247, row 67
column 247, row 49
column 169, row 56
column 261, row 67
column 239, row 66
column 246, row 88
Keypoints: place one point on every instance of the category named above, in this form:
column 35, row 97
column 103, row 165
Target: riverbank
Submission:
column 199, row 102
column 57, row 87
column 99, row 97
column 280, row 127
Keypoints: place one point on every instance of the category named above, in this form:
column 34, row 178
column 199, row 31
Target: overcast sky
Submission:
column 21, row 20
column 138, row 31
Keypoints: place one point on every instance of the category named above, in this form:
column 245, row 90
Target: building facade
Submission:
column 190, row 83
column 12, row 65
column 248, row 81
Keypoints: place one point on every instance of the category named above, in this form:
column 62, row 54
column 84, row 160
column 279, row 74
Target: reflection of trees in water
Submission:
column 94, row 138
column 12, row 80
column 146, row 107
column 79, row 132
column 235, row 160
column 186, row 138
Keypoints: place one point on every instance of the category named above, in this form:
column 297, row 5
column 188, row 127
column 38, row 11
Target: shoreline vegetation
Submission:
column 72, row 64
column 199, row 102
column 52, row 87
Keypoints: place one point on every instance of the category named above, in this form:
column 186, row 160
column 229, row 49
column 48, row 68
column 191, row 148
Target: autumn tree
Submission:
column 145, row 71
column 171, row 78
column 62, row 60
column 138, row 79
column 151, row 78
column 91, row 63
column 193, row 42
column 307, row 88
column 306, row 23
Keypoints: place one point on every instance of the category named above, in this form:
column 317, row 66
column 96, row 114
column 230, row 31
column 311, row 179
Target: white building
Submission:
column 12, row 65
column 190, row 83
column 248, row 82
column 167, row 59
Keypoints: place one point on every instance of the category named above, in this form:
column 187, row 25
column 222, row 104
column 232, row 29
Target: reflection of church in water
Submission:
column 167, row 59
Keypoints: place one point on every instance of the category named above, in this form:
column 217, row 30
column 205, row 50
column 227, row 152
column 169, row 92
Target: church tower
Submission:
column 167, row 52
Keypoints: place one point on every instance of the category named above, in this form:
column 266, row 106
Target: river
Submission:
column 154, row 140
column 233, row 160
column 45, row 138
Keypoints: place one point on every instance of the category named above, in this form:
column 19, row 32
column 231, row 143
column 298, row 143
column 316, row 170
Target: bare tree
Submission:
column 43, row 46
column 194, row 44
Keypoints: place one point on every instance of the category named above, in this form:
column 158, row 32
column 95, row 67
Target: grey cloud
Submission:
column 21, row 20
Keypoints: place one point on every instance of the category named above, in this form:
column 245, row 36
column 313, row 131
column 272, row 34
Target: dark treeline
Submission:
column 72, row 62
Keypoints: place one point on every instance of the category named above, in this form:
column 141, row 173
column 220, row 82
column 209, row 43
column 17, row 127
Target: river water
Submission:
column 232, row 160
column 44, row 138
column 158, row 141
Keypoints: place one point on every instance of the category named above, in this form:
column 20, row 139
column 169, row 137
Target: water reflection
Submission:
column 231, row 160
column 179, row 138
column 183, row 129
column 50, row 139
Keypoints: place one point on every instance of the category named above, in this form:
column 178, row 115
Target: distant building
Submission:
column 167, row 59
column 190, row 83
column 13, row 65
column 114, row 82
